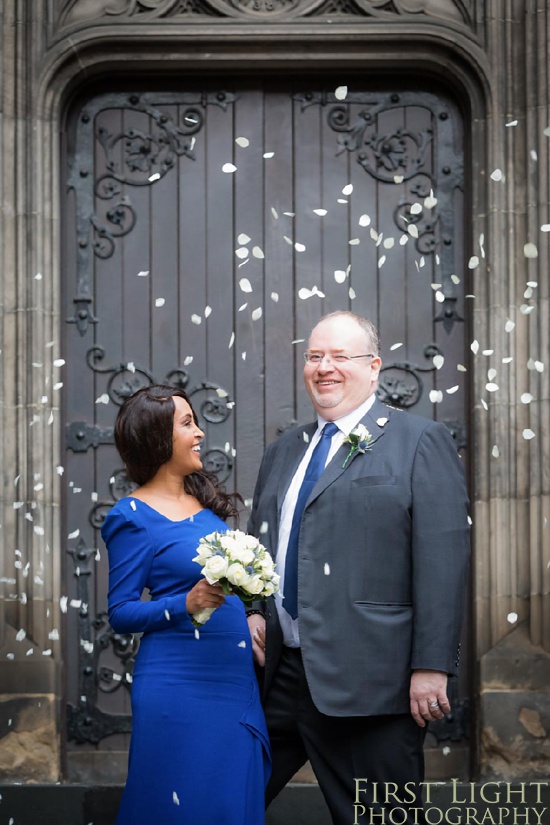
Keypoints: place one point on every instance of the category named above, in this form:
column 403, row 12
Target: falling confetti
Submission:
column 196, row 319
column 339, row 276
column 103, row 399
column 245, row 285
column 242, row 252
column 473, row 262
column 530, row 250
column 348, row 189
column 299, row 247
column 490, row 387
column 364, row 220
column 341, row 92
column 268, row 154
column 495, row 452
column 438, row 361
column 511, row 123
column 509, row 326
column 528, row 434
column 436, row 396
column 474, row 346
column 496, row 175
column 155, row 176
column 207, row 311
column 512, row 617
column 327, row 569
column 188, row 360
column 258, row 252
column 320, row 212
column 159, row 302
column 229, row 168
column 175, row 799
column 242, row 142
column 275, row 296
column 526, row 398
column 256, row 314
column 231, row 340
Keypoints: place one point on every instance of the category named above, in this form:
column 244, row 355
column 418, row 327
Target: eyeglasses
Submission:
column 338, row 358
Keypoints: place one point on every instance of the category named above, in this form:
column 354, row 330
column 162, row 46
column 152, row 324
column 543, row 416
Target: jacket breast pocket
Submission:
column 374, row 481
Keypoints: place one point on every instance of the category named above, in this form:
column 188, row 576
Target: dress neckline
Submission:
column 167, row 518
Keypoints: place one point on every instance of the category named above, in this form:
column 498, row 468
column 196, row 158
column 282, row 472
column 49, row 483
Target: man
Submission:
column 373, row 564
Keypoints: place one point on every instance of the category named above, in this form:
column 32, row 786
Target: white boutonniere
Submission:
column 360, row 440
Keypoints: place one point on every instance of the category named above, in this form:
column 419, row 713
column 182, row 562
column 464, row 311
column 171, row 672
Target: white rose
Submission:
column 266, row 565
column 230, row 545
column 215, row 568
column 251, row 542
column 203, row 553
column 255, row 585
column 245, row 556
column 269, row 589
column 237, row 575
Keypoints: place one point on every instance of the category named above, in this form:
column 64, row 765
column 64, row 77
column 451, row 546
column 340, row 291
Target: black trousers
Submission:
column 369, row 768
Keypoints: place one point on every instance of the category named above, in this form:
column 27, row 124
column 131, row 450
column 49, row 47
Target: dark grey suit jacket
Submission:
column 393, row 529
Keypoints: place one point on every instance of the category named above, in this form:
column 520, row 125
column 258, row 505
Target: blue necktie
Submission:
column 313, row 471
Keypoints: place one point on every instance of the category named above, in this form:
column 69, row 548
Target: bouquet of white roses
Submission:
column 240, row 564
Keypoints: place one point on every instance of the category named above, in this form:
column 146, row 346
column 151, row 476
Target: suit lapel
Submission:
column 377, row 413
column 294, row 454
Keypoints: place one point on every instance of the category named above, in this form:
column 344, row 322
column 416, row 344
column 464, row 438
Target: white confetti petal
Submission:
column 398, row 178
column 103, row 399
column 351, row 293
column 530, row 250
column 327, row 569
column 207, row 311
column 452, row 390
column 243, row 356
column 242, row 142
column 231, row 340
column 382, row 421
column 512, row 123
column 155, row 176
column 525, row 309
column 436, row 396
column 258, row 252
column 526, row 398
column 243, row 239
column 348, row 189
column 395, row 346
column 455, row 279
column 438, row 361
column 299, row 247
column 320, row 212
column 354, row 242
column 59, row 362
column 474, row 346
column 389, row 243
column 539, row 366
column 512, row 617
column 381, row 261
column 373, row 233
column 196, row 319
column 243, row 306
column 416, row 209
column 487, row 351
column 496, row 175
column 340, row 93
column 143, row 274
column 242, row 252
column 188, row 360
column 495, row 452
column 412, row 229
column 509, row 326
column 364, row 220
column 461, row 368
column 528, row 434
column 21, row 634
column 290, row 214
column 256, row 314
column 288, row 240
column 484, row 404
column 74, row 535
column 245, row 285
column 490, row 387
column 159, row 302
column 339, row 276
column 175, row 798
column 491, row 374
column 473, row 262
column 275, row 213
column 229, row 168
column 545, row 227
column 440, row 297
column 268, row 154
column 534, row 155
column 430, row 201
column 275, row 296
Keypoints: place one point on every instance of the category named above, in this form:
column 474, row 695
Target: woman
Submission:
column 199, row 751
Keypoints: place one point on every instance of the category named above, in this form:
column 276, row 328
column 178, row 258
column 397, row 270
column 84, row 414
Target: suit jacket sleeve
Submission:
column 440, row 551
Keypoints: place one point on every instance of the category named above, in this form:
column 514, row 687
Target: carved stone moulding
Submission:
column 77, row 12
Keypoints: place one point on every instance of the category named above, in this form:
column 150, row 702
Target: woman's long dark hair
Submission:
column 144, row 431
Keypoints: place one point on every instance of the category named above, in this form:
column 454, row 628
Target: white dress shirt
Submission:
column 345, row 425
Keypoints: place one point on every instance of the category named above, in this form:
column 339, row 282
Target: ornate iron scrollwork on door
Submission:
column 411, row 159
column 132, row 157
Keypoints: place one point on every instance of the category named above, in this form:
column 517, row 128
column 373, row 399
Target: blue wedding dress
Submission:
column 199, row 752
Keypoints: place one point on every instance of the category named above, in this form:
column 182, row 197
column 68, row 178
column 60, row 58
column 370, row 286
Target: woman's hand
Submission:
column 256, row 625
column 204, row 595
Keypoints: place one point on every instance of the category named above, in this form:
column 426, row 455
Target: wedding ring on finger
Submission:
column 434, row 704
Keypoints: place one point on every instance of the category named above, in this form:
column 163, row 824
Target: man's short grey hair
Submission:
column 367, row 326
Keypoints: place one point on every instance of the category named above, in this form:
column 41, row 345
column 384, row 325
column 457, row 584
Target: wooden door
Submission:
column 206, row 229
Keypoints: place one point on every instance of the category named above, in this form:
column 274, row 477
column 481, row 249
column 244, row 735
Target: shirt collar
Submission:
column 348, row 422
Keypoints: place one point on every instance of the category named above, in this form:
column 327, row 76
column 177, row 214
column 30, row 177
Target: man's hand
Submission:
column 427, row 688
column 256, row 625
